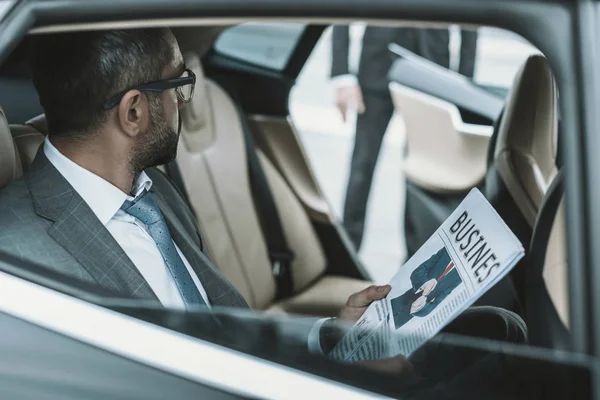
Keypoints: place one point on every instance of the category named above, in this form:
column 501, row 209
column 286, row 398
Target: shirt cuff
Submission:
column 344, row 80
column 314, row 337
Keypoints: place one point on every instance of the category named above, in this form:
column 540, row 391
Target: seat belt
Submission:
column 174, row 172
column 280, row 254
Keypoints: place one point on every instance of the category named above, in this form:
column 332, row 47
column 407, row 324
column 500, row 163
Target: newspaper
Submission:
column 469, row 253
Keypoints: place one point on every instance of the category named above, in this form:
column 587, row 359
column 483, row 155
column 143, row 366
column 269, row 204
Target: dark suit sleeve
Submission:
column 430, row 306
column 441, row 296
column 448, row 284
column 427, row 308
column 421, row 274
column 468, row 49
column 340, row 45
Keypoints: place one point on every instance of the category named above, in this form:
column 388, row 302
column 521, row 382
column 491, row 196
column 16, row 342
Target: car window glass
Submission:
column 267, row 45
column 471, row 358
column 447, row 366
column 381, row 144
column 500, row 53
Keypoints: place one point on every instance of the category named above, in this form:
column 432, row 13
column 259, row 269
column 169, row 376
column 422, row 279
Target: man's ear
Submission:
column 133, row 113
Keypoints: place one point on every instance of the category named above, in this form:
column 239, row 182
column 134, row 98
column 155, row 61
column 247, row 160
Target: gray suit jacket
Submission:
column 45, row 221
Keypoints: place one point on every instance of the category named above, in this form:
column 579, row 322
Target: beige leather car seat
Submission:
column 213, row 164
column 28, row 138
column 522, row 157
column 525, row 151
column 18, row 146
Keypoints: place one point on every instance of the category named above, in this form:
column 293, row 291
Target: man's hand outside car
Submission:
column 348, row 97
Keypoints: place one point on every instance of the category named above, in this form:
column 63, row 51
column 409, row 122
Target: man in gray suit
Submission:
column 91, row 206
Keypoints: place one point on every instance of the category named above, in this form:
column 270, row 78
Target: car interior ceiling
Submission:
column 523, row 147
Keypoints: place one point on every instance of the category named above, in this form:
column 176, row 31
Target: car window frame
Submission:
column 566, row 55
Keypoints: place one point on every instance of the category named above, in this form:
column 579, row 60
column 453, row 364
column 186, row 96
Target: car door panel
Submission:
column 448, row 125
column 444, row 155
column 427, row 77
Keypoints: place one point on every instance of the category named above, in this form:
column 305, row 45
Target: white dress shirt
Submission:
column 105, row 201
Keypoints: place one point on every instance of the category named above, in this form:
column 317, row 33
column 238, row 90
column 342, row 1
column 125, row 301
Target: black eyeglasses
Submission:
column 184, row 87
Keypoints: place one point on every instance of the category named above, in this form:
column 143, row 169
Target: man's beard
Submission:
column 158, row 144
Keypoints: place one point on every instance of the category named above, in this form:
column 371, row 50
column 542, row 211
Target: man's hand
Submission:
column 354, row 309
column 358, row 302
column 348, row 97
column 428, row 287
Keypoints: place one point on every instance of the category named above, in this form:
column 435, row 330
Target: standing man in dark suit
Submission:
column 368, row 92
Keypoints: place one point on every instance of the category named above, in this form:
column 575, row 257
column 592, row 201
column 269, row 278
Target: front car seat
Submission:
column 524, row 154
column 214, row 168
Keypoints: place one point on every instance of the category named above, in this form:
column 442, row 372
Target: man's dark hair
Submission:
column 75, row 73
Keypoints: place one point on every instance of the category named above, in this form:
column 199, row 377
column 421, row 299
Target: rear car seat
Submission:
column 213, row 165
column 18, row 146
column 523, row 154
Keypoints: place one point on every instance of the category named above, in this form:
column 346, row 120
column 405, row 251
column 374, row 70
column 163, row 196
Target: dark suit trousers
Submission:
column 370, row 129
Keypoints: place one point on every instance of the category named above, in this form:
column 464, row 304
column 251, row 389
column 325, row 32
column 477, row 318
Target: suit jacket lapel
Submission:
column 220, row 292
column 77, row 229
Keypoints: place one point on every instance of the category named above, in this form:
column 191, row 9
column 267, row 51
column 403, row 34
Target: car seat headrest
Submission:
column 196, row 117
column 530, row 121
column 526, row 148
column 39, row 124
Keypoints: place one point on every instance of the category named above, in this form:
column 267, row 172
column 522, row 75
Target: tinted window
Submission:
column 269, row 45
column 471, row 358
